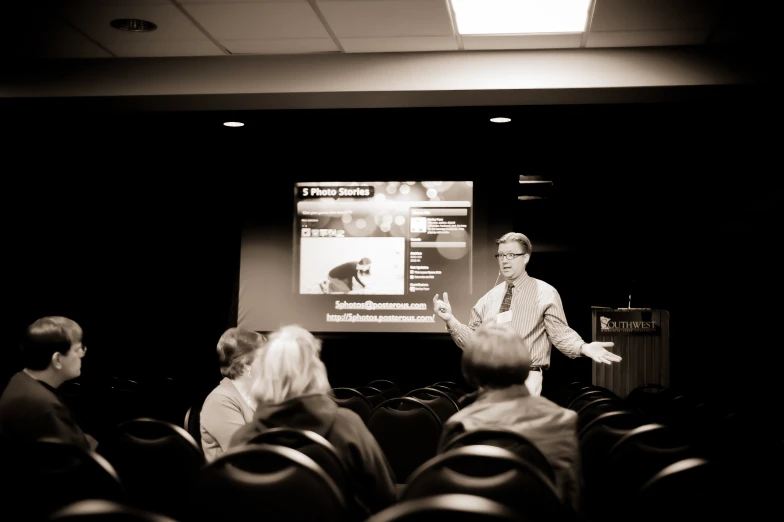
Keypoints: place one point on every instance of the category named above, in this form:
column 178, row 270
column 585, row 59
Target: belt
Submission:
column 537, row 368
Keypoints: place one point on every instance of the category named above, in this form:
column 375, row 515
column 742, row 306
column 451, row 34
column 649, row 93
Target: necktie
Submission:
column 507, row 302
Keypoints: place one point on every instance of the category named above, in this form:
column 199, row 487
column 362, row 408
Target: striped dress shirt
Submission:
column 537, row 315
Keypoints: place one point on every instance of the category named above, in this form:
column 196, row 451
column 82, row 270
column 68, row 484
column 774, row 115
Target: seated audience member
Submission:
column 292, row 390
column 229, row 406
column 496, row 361
column 30, row 407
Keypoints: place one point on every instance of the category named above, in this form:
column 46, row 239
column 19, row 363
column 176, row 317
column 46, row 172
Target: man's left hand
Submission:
column 598, row 352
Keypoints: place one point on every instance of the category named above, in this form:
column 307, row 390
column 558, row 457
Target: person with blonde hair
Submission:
column 496, row 360
column 229, row 406
column 293, row 391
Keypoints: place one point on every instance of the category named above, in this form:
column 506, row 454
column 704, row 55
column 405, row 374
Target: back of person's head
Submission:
column 290, row 366
column 516, row 237
column 45, row 337
column 496, row 357
column 236, row 349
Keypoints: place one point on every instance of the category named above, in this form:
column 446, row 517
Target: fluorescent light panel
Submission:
column 520, row 16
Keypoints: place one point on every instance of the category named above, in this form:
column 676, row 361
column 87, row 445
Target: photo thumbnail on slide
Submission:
column 383, row 238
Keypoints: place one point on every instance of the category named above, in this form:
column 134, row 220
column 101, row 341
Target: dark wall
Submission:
column 139, row 241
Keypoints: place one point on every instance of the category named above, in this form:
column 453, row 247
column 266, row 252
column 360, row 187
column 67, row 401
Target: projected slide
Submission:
column 365, row 256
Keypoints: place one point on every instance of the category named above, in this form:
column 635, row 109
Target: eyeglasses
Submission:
column 508, row 257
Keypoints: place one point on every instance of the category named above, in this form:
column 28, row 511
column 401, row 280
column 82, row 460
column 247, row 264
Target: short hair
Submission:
column 46, row 336
column 236, row 348
column 517, row 237
column 496, row 357
column 364, row 261
column 290, row 366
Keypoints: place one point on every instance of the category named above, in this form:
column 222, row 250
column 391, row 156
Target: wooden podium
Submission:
column 642, row 339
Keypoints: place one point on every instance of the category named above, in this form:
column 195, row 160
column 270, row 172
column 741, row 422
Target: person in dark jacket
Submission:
column 342, row 277
column 30, row 407
column 292, row 391
column 496, row 362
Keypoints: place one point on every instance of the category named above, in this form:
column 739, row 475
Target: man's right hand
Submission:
column 442, row 308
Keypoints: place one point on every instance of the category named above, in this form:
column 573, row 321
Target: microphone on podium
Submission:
column 629, row 307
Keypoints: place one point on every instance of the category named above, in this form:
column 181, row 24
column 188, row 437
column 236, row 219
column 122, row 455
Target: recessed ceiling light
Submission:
column 233, row 124
column 133, row 25
column 500, row 120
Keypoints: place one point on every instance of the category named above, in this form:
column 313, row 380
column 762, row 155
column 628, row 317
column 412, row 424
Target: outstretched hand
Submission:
column 442, row 308
column 598, row 352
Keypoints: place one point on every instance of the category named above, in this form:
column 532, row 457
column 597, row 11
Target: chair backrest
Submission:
column 648, row 397
column 353, row 400
column 693, row 488
column 598, row 437
column 389, row 388
column 587, row 396
column 267, row 482
column 453, row 394
column 192, row 421
column 157, row 461
column 562, row 395
column 408, row 432
column 314, row 446
column 622, row 420
column 646, row 438
column 373, row 395
column 640, row 454
column 104, row 510
column 456, row 389
column 581, row 406
column 44, row 475
column 507, row 439
column 592, row 409
column 490, row 472
column 438, row 400
column 577, row 392
column 447, row 508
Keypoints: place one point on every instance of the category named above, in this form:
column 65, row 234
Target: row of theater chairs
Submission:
column 714, row 426
column 436, row 508
column 101, row 402
column 407, row 426
column 363, row 399
column 482, row 471
column 441, row 397
column 154, row 467
column 149, row 463
column 626, row 446
column 269, row 478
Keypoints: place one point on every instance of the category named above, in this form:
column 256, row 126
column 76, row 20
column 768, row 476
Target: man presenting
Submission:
column 532, row 307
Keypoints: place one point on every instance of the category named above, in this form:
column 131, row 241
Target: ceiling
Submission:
column 303, row 54
column 72, row 29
